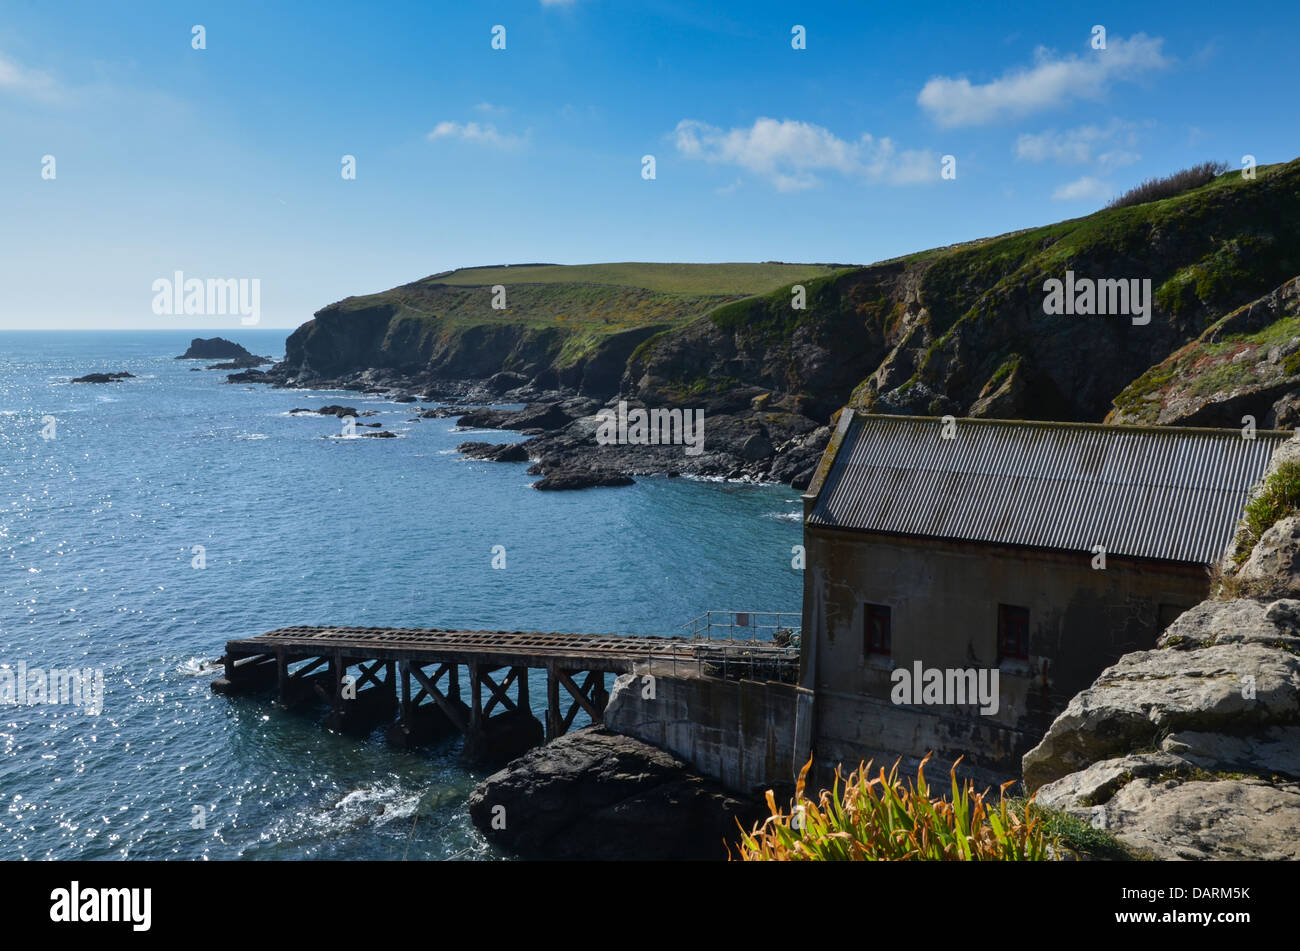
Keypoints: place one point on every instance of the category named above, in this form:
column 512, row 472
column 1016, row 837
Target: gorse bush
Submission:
column 882, row 819
column 1277, row 498
column 1154, row 189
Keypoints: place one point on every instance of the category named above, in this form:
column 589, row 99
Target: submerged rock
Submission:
column 597, row 795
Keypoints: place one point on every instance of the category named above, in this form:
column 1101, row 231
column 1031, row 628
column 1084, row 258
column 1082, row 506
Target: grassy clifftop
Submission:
column 705, row 280
column 558, row 318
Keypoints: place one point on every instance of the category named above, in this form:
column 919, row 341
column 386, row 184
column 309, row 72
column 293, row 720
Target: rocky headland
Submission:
column 769, row 353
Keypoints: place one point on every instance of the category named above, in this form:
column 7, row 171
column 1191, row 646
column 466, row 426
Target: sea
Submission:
column 143, row 523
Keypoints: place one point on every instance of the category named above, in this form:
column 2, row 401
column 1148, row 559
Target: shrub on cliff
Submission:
column 882, row 819
column 1154, row 189
column 1277, row 498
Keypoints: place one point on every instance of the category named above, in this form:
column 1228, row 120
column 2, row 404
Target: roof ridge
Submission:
column 1093, row 427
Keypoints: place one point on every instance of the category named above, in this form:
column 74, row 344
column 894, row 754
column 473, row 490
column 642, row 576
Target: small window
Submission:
column 876, row 635
column 1013, row 631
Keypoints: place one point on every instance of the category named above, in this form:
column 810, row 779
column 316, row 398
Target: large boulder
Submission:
column 1191, row 816
column 1191, row 750
column 597, row 795
column 1273, row 567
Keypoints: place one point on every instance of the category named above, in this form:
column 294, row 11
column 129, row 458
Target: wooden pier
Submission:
column 412, row 678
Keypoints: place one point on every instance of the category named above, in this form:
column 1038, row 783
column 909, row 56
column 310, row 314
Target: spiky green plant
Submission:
column 862, row 818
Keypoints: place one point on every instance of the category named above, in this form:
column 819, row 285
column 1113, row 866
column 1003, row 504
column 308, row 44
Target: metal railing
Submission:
column 780, row 627
column 756, row 645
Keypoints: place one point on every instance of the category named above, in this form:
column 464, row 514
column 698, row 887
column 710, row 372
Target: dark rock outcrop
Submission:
column 218, row 348
column 597, row 795
column 341, row 412
column 103, row 377
column 251, row 376
column 495, row 452
column 243, row 363
column 580, row 478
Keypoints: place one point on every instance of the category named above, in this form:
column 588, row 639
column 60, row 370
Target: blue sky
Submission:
column 225, row 162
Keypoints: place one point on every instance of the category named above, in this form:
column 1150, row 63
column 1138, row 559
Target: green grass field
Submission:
column 722, row 280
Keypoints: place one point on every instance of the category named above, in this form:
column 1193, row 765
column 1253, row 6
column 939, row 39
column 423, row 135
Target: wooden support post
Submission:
column 522, row 674
column 453, row 682
column 336, row 665
column 390, row 684
column 552, row 703
column 599, row 695
column 404, row 672
column 282, row 676
column 476, row 693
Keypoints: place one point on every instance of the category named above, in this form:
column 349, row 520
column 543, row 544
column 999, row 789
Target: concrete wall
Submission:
column 737, row 732
column 944, row 599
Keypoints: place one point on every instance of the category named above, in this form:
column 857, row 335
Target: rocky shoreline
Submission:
column 747, row 436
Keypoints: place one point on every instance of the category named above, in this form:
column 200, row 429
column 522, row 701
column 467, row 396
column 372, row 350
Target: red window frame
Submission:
column 877, row 629
column 1013, row 631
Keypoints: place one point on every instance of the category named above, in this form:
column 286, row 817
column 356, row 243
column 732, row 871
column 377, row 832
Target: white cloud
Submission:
column 788, row 153
column 16, row 78
column 1086, row 188
column 491, row 109
column 1049, row 83
column 485, row 134
column 1080, row 146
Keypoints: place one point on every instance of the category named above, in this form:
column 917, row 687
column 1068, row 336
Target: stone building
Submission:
column 946, row 557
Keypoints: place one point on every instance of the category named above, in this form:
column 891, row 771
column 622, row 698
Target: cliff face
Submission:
column 958, row 330
column 963, row 330
column 558, row 327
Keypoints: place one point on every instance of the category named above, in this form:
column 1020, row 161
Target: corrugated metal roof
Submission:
column 1167, row 493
